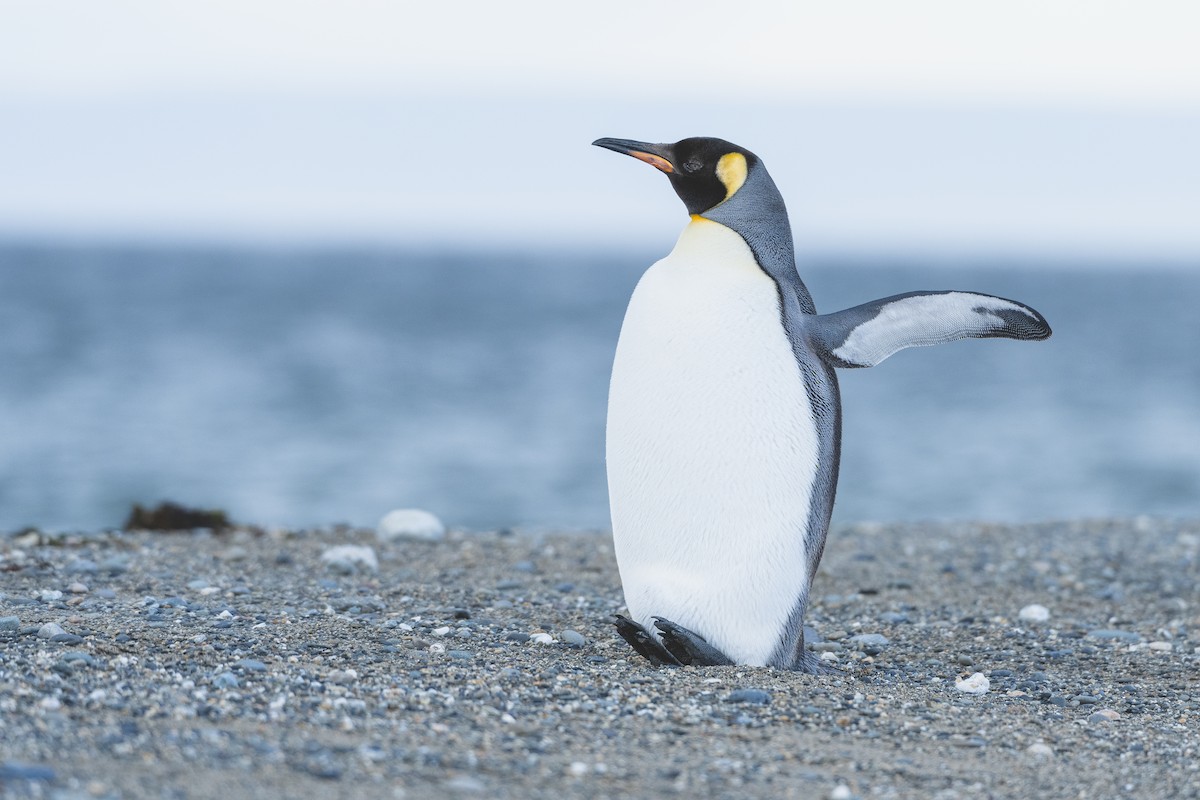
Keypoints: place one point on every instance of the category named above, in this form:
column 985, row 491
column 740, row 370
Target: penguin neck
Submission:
column 757, row 213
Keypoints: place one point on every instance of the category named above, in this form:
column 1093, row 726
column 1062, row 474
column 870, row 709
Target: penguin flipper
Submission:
column 689, row 648
column 644, row 643
column 865, row 335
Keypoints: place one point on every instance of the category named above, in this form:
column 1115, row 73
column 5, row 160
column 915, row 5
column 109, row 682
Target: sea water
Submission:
column 331, row 385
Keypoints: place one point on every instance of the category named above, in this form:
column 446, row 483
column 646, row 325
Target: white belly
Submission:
column 711, row 449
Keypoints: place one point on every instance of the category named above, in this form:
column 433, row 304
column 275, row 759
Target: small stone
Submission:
column 235, row 553
column 225, row 680
column 465, row 784
column 16, row 771
column 508, row 585
column 250, row 665
column 1034, row 613
column 343, row 677
column 50, row 630
column 10, row 624
column 82, row 566
column 1104, row 715
column 347, row 559
column 964, row 660
column 756, row 697
column 1040, row 750
column 410, row 523
column 870, row 643
column 66, row 638
column 50, row 595
column 541, row 637
column 573, row 638
column 578, row 769
column 1160, row 647
column 1111, row 635
column 78, row 588
column 977, row 683
column 840, row 792
column 462, row 655
column 197, row 584
column 442, row 631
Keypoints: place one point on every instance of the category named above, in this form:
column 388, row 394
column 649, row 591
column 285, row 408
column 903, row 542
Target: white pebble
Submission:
column 578, row 769
column 840, row 792
column 1034, row 613
column 1040, row 749
column 437, row 647
column 1161, row 647
column 975, row 684
column 77, row 588
column 442, row 631
column 350, row 557
column 410, row 523
column 541, row 637
column 48, row 595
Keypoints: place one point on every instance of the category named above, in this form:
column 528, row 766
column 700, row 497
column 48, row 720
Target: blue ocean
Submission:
column 325, row 385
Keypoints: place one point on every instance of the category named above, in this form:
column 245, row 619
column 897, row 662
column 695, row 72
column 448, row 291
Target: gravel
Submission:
column 237, row 664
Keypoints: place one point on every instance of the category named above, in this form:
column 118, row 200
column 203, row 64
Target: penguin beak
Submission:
column 656, row 155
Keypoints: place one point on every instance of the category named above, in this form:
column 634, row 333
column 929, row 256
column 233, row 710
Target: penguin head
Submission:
column 705, row 172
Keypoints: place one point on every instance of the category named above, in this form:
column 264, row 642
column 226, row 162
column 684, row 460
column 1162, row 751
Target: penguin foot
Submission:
column 645, row 644
column 687, row 647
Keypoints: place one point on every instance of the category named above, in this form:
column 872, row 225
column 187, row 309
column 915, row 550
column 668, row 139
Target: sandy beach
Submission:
column 239, row 664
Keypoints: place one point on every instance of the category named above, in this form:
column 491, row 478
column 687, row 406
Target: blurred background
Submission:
column 309, row 262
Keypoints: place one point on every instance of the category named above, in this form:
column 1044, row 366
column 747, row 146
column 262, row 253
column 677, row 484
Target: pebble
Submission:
column 541, row 637
column 16, row 771
column 756, row 697
column 50, row 595
column 840, row 792
column 225, row 680
column 573, row 638
column 1104, row 715
column 1034, row 613
column 78, row 588
column 1040, row 750
column 82, row 566
column 348, row 559
column 1161, row 647
column 976, row 683
column 250, row 665
column 343, row 677
column 870, row 643
column 411, row 524
column 1108, row 634
column 50, row 630
column 12, row 624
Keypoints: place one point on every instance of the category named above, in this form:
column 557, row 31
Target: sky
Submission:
column 1065, row 126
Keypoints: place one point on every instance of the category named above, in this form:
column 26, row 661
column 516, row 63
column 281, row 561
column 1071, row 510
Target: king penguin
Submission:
column 724, row 418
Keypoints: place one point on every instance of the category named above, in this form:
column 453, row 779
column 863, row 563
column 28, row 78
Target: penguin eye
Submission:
column 692, row 165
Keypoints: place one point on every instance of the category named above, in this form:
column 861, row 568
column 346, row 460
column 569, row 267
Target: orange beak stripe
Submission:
column 658, row 162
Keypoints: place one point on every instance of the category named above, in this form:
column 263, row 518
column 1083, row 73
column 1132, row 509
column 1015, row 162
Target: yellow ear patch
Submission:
column 731, row 171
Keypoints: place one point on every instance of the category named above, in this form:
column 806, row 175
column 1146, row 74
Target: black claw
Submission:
column 644, row 643
column 688, row 647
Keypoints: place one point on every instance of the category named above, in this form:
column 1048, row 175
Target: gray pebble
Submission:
column 82, row 566
column 753, row 696
column 870, row 643
column 12, row 624
column 66, row 638
column 508, row 585
column 1108, row 634
column 464, row 655
column 572, row 638
column 50, row 630
column 226, row 680
column 250, row 665
column 16, row 771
